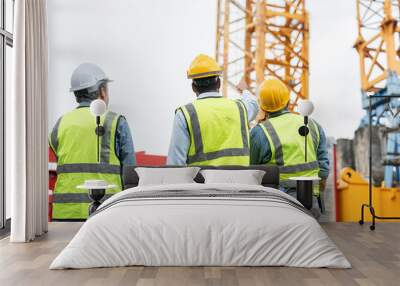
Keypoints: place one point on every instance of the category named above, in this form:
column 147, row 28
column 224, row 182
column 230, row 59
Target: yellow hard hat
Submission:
column 273, row 95
column 203, row 66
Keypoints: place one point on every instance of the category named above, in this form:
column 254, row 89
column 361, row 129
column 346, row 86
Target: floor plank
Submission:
column 375, row 257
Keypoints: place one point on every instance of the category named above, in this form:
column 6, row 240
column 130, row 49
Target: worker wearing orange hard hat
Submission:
column 212, row 130
column 275, row 139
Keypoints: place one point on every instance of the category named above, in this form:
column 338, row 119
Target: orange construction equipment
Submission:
column 353, row 192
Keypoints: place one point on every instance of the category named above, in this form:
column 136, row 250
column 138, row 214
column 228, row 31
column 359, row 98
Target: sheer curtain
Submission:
column 26, row 123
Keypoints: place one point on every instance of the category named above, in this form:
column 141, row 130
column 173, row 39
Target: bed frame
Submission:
column 270, row 179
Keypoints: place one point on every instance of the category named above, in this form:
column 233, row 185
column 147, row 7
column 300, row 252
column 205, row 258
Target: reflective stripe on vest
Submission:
column 200, row 155
column 75, row 198
column 314, row 134
column 89, row 168
column 299, row 167
column 276, row 141
column 54, row 136
column 106, row 138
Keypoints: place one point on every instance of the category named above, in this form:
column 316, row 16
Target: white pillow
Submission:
column 166, row 176
column 248, row 177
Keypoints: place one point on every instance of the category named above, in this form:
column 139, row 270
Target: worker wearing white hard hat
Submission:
column 275, row 140
column 73, row 140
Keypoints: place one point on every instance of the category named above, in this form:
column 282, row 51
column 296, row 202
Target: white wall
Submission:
column 335, row 86
column 146, row 46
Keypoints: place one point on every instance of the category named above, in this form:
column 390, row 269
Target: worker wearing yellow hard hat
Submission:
column 276, row 140
column 273, row 95
column 212, row 130
column 203, row 66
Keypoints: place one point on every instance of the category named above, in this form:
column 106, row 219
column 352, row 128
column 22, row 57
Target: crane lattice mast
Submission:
column 378, row 47
column 261, row 38
column 377, row 43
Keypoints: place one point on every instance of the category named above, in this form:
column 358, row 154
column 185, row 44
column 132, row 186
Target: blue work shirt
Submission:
column 260, row 150
column 180, row 139
column 123, row 140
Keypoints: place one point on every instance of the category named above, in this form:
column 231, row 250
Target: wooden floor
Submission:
column 375, row 257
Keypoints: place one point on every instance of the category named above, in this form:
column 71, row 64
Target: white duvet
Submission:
column 188, row 231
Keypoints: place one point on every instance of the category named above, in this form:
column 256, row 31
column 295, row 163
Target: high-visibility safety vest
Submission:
column 219, row 133
column 288, row 147
column 74, row 142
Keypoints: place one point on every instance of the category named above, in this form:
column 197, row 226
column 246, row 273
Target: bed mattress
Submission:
column 201, row 225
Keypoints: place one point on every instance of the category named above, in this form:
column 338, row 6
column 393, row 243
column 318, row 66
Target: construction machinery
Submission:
column 353, row 193
column 260, row 38
column 378, row 47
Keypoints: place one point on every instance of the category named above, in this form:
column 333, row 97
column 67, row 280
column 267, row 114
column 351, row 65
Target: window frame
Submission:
column 6, row 39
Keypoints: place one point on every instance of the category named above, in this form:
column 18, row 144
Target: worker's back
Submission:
column 77, row 140
column 74, row 142
column 288, row 146
column 218, row 132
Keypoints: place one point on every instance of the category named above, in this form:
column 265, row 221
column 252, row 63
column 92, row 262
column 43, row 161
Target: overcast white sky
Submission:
column 146, row 46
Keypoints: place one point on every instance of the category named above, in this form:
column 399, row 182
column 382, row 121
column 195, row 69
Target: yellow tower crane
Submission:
column 259, row 38
column 378, row 47
column 377, row 43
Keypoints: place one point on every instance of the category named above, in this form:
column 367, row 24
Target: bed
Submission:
column 199, row 224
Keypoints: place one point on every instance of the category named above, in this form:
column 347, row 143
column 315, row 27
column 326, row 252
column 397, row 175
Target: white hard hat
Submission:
column 87, row 76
